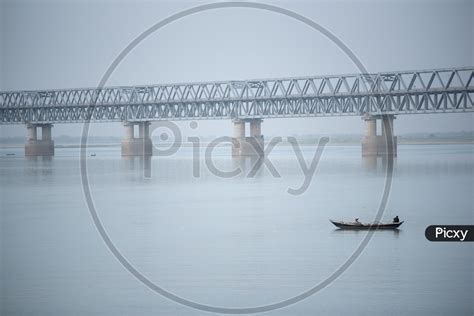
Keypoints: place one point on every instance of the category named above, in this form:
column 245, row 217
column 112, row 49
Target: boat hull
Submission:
column 343, row 225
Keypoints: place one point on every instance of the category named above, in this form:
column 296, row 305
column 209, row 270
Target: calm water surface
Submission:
column 235, row 242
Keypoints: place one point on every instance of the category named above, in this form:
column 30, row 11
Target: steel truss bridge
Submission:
column 388, row 93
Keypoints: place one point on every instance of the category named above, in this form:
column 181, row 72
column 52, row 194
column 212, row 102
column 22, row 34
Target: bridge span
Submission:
column 378, row 96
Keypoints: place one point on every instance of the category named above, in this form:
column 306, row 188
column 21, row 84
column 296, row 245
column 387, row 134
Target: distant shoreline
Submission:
column 305, row 143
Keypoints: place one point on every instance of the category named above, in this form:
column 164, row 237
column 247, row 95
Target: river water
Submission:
column 234, row 242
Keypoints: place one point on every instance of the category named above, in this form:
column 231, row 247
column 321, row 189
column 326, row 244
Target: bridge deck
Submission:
column 404, row 92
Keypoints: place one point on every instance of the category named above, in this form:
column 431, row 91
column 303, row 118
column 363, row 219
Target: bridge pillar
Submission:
column 248, row 146
column 370, row 141
column 39, row 147
column 255, row 141
column 388, row 139
column 137, row 146
column 379, row 145
column 239, row 137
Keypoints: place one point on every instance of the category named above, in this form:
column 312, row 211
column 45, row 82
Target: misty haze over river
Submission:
column 235, row 242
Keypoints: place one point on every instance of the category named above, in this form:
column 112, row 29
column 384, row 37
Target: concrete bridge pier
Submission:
column 379, row 145
column 39, row 147
column 388, row 139
column 238, row 137
column 370, row 140
column 252, row 145
column 137, row 146
column 256, row 137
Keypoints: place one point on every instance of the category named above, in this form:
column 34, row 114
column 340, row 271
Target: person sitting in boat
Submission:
column 396, row 219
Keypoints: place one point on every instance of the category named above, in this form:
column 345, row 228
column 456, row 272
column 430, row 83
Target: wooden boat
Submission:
column 355, row 225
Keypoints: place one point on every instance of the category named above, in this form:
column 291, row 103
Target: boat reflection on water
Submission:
column 362, row 232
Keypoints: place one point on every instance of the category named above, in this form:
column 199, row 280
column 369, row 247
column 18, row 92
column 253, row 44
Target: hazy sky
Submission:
column 71, row 43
